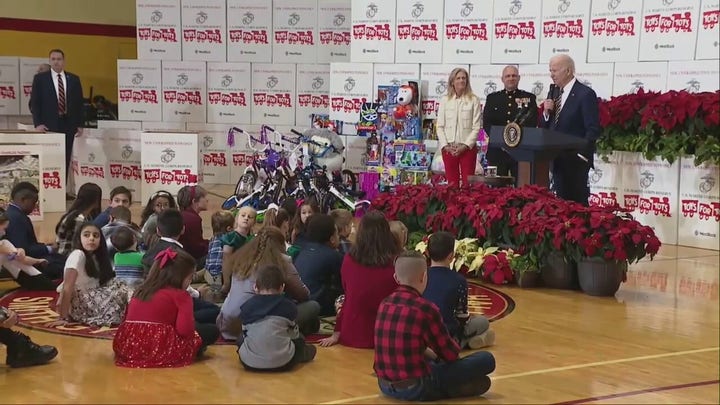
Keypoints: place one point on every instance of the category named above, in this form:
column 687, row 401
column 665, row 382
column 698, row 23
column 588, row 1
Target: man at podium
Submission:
column 572, row 108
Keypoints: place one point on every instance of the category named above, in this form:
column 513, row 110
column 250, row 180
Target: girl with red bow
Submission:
column 159, row 329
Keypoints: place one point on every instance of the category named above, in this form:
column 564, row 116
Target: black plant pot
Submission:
column 527, row 279
column 600, row 277
column 560, row 273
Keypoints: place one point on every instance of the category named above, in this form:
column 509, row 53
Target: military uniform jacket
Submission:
column 502, row 108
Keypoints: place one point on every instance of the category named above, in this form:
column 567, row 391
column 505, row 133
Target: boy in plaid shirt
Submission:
column 424, row 365
column 222, row 223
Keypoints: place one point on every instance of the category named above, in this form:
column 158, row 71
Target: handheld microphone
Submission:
column 553, row 91
column 519, row 114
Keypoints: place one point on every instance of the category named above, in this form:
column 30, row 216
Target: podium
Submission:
column 535, row 150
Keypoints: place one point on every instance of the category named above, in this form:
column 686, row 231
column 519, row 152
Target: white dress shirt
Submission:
column 54, row 75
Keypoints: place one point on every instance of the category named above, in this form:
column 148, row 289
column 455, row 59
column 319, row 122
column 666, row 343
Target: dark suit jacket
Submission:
column 500, row 103
column 21, row 233
column 44, row 102
column 149, row 257
column 579, row 116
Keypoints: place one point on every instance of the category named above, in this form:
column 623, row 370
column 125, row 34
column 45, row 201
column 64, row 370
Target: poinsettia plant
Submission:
column 530, row 220
column 471, row 257
column 669, row 125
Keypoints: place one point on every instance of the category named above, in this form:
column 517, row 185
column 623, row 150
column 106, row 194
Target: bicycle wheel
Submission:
column 230, row 203
column 246, row 184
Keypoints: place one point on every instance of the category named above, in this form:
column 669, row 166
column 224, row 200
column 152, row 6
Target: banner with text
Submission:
column 606, row 182
column 9, row 86
column 373, row 31
column 394, row 74
column 669, row 30
column 184, row 86
column 708, row 37
column 434, row 86
column 295, row 31
column 650, row 192
column 313, row 92
column 204, row 30
column 28, row 70
column 273, row 92
column 598, row 76
column 19, row 163
column 351, row 85
column 565, row 29
column 334, row 31
column 699, row 224
column 169, row 161
column 467, row 35
column 630, row 77
column 614, row 31
column 249, row 24
column 122, row 148
column 52, row 165
column 516, row 27
column 419, row 31
column 139, row 89
column 693, row 76
column 228, row 92
column 158, row 29
column 486, row 79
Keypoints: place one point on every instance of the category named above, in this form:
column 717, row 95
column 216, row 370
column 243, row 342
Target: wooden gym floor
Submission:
column 655, row 342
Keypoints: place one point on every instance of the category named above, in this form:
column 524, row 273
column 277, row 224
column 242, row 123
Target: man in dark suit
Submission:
column 21, row 233
column 57, row 102
column 503, row 107
column 571, row 107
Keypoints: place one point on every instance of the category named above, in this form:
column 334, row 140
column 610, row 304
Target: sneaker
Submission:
column 25, row 353
column 309, row 353
column 484, row 340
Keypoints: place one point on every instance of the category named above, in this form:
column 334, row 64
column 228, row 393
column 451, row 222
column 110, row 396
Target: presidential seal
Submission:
column 512, row 134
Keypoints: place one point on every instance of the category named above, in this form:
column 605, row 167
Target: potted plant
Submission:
column 526, row 269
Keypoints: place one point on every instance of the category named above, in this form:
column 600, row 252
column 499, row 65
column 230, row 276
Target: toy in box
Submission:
column 369, row 121
column 320, row 121
column 414, row 177
column 400, row 109
column 411, row 155
column 389, row 177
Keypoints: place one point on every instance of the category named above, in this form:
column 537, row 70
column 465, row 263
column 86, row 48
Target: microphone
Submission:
column 520, row 113
column 554, row 91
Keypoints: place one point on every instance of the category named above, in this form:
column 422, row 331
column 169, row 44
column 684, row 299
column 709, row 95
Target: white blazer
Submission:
column 459, row 120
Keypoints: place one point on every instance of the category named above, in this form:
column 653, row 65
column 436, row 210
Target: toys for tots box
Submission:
column 9, row 86
column 158, row 29
column 204, row 30
column 228, row 93
column 184, row 89
column 169, row 161
column 373, row 31
column 419, row 31
column 295, row 31
column 273, row 93
column 516, row 27
column 139, row 90
column 467, row 37
column 351, row 85
column 28, row 70
column 334, row 27
column 215, row 154
column 699, row 224
column 249, row 25
column 313, row 92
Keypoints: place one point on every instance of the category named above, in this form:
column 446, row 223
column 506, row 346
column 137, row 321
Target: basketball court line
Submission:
column 563, row 368
column 640, row 392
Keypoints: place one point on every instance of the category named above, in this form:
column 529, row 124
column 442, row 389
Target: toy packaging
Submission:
column 414, row 177
column 411, row 155
column 389, row 177
column 319, row 121
column 400, row 110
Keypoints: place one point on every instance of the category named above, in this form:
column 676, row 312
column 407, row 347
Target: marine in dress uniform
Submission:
column 501, row 108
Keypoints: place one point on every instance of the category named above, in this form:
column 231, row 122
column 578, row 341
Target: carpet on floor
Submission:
column 36, row 309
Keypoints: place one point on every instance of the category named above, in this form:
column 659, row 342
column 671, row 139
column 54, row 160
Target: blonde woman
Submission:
column 458, row 124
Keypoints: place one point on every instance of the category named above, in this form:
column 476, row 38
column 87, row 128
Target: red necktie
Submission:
column 61, row 95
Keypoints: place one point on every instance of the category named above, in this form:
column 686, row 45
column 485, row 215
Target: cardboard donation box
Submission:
column 169, row 161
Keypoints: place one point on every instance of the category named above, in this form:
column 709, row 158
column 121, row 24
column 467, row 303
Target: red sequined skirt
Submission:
column 153, row 345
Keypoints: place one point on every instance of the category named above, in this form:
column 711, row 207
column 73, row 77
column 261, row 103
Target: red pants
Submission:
column 458, row 168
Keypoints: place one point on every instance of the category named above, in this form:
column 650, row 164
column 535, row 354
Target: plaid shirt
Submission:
column 405, row 326
column 66, row 232
column 214, row 260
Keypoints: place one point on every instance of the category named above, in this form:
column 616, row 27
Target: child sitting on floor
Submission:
column 157, row 203
column 270, row 339
column 222, row 223
column 448, row 290
column 127, row 261
column 119, row 197
column 299, row 227
column 344, row 222
column 235, row 239
column 400, row 232
column 192, row 200
column 159, row 329
column 120, row 217
column 279, row 218
column 18, row 264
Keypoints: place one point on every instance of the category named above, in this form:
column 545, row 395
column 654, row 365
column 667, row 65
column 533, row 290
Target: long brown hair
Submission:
column 267, row 247
column 173, row 274
column 375, row 244
column 101, row 267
